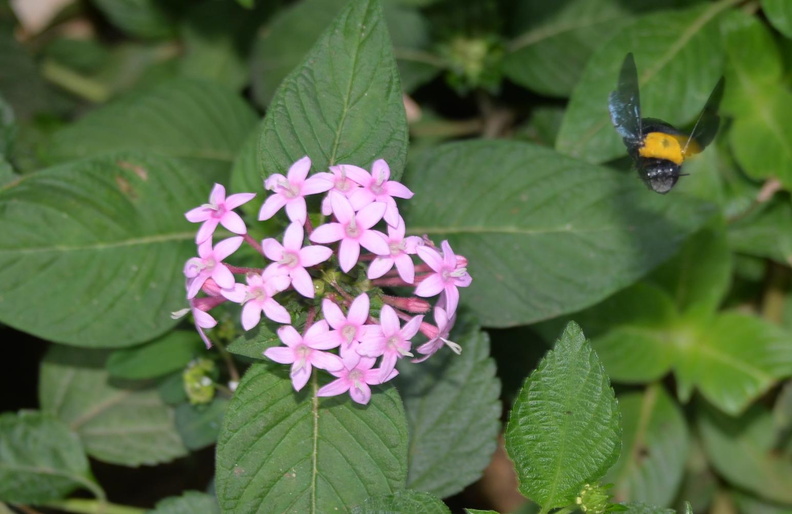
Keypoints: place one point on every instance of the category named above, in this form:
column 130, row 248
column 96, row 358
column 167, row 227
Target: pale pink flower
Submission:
column 201, row 318
column 291, row 192
column 219, row 210
column 345, row 179
column 353, row 230
column 303, row 352
column 291, row 258
column 257, row 297
column 444, row 325
column 352, row 328
column 380, row 189
column 400, row 250
column 209, row 264
column 355, row 377
column 393, row 342
column 447, row 277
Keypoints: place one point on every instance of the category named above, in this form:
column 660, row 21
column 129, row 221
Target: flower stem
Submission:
column 252, row 242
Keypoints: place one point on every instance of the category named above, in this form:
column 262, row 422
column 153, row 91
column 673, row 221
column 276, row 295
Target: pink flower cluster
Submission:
column 341, row 334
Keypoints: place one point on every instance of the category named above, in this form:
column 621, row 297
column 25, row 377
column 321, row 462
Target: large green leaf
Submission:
column 779, row 14
column 191, row 502
column 199, row 425
column 343, row 104
column 765, row 233
column 91, row 252
column 403, row 501
column 679, row 60
column 284, row 451
column 162, row 356
column 40, row 459
column 453, row 414
column 20, row 83
column 761, row 102
column 200, row 122
column 529, row 220
column 655, row 447
column 744, row 451
column 125, row 424
column 141, row 18
column 564, row 431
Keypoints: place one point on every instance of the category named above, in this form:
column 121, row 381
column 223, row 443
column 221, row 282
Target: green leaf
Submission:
column 125, row 424
column 654, row 448
column 765, row 233
column 743, row 450
column 245, row 173
column 678, row 56
column 199, row 425
column 162, row 356
column 412, row 45
column 40, row 459
column 403, row 501
column 779, row 14
column 140, row 18
column 20, row 83
column 321, row 455
column 453, row 413
column 759, row 99
column 343, row 104
column 91, row 252
column 548, row 216
column 549, row 33
column 253, row 342
column 191, row 502
column 642, row 508
column 750, row 504
column 733, row 361
column 563, row 431
column 200, row 122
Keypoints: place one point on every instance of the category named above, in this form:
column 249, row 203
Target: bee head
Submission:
column 659, row 175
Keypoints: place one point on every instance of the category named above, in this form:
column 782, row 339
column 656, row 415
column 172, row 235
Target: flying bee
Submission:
column 657, row 148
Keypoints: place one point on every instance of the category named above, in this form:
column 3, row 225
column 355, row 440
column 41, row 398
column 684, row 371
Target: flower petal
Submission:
column 302, row 283
column 379, row 266
column 406, row 268
column 313, row 255
column 370, row 215
column 198, row 214
column 251, row 315
column 332, row 313
column 399, row 190
column 280, row 354
column 299, row 170
column 327, row 233
column 275, row 311
column 289, row 335
column 361, row 393
column 226, row 247
column 293, row 237
column 359, row 310
column 375, row 242
column 431, row 285
column 233, row 222
column 272, row 249
column 234, row 201
column 271, row 205
column 389, row 321
column 296, row 210
column 315, row 185
column 431, row 257
column 348, row 254
column 326, row 360
column 300, row 376
column 334, row 388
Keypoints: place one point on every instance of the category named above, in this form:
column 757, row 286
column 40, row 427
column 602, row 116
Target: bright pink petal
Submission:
column 386, row 367
column 236, row 293
column 234, row 201
column 233, row 222
column 431, row 257
column 275, row 311
column 342, row 209
column 391, row 215
column 203, row 319
column 410, row 328
column 217, row 196
column 334, row 388
column 370, row 215
column 280, row 354
column 397, row 230
column 361, row 394
column 272, row 204
column 372, row 347
column 272, row 249
column 431, row 285
column 313, row 255
column 296, row 210
column 333, row 314
column 356, row 173
column 315, row 185
column 251, row 315
column 206, row 230
column 302, row 282
column 368, row 333
column 449, row 259
column 299, row 170
column 300, row 377
column 198, row 214
column 326, row 361
column 293, row 237
column 348, row 254
column 452, row 298
column 223, row 277
column 226, row 247
column 327, row 233
column 399, row 190
column 463, row 281
column 359, row 310
column 406, row 268
column 360, row 198
column 380, row 171
column 379, row 267
column 375, row 242
column 289, row 336
column 389, row 321
column 205, row 249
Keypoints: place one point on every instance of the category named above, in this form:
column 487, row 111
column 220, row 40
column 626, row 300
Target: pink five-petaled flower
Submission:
column 355, row 377
column 400, row 250
column 209, row 264
column 394, row 341
column 291, row 191
column 257, row 297
column 381, row 190
column 444, row 326
column 219, row 210
column 351, row 328
column 303, row 352
column 447, row 276
column 291, row 258
column 353, row 230
column 346, row 179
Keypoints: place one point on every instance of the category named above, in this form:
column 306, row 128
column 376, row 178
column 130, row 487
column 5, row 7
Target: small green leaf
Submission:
column 253, row 342
column 121, row 424
column 743, row 450
column 654, row 448
column 403, row 501
column 343, row 104
column 563, row 431
column 40, row 459
column 140, row 18
column 96, row 249
column 162, row 356
column 321, row 454
column 678, row 56
column 766, row 233
column 779, row 14
column 453, row 413
column 191, row 502
column 549, row 216
column 199, row 425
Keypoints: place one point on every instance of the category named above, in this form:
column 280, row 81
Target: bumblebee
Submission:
column 657, row 148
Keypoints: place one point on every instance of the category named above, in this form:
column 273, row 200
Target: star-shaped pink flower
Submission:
column 400, row 250
column 447, row 277
column 291, row 258
column 257, row 297
column 352, row 328
column 393, row 342
column 304, row 352
column 346, row 179
column 209, row 264
column 355, row 377
column 219, row 210
column 441, row 338
column 380, row 189
column 353, row 230
column 291, row 191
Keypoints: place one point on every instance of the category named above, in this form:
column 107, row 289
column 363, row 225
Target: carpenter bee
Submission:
column 657, row 148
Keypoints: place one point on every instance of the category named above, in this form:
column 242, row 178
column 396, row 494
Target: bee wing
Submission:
column 708, row 121
column 624, row 103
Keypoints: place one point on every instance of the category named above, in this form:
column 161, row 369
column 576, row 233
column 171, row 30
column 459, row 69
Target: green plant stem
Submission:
column 229, row 362
column 82, row 506
column 74, row 83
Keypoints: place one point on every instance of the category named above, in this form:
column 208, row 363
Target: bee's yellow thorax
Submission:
column 671, row 147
